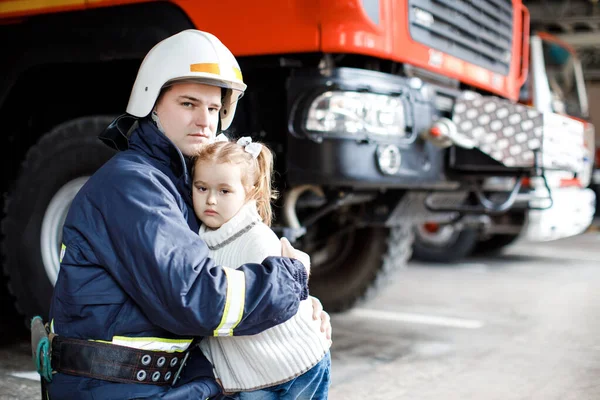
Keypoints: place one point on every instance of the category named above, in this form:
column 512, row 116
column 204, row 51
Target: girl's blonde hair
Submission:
column 257, row 173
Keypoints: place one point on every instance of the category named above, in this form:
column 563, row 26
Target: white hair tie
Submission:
column 253, row 148
column 221, row 138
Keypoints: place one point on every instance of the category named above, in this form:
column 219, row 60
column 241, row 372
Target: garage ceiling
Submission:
column 575, row 21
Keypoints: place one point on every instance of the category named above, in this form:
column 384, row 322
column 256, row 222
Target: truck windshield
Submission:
column 563, row 79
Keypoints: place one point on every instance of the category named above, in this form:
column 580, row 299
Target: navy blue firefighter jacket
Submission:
column 134, row 266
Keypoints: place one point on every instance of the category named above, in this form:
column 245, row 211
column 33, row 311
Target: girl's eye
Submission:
column 225, row 191
column 201, row 188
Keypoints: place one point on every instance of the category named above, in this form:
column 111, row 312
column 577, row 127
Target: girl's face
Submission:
column 218, row 192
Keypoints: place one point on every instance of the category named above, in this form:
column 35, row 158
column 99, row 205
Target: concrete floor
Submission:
column 524, row 325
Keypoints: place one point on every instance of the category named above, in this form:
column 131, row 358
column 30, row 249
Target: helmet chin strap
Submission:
column 219, row 124
column 156, row 121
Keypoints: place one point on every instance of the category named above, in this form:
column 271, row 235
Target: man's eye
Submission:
column 213, row 110
column 187, row 104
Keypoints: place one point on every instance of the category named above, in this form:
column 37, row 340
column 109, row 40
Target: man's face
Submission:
column 218, row 192
column 189, row 115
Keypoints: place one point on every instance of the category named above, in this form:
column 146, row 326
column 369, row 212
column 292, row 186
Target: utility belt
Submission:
column 105, row 361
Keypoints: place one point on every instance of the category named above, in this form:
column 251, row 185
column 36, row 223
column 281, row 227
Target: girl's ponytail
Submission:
column 263, row 191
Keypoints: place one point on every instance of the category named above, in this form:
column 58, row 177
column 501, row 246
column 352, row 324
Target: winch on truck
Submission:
column 555, row 205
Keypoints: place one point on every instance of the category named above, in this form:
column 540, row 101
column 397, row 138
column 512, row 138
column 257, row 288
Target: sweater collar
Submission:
column 239, row 224
column 150, row 140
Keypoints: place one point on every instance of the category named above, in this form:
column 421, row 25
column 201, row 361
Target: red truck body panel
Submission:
column 251, row 28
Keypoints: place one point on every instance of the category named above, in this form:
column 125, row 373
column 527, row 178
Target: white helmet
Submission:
column 189, row 55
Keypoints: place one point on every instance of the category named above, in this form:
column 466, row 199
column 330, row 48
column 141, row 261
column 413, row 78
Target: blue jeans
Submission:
column 311, row 385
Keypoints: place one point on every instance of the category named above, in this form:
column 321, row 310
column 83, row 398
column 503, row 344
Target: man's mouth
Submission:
column 200, row 135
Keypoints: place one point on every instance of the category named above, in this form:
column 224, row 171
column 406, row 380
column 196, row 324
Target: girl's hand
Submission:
column 287, row 250
column 319, row 313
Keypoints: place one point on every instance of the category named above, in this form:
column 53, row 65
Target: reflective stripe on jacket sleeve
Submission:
column 234, row 302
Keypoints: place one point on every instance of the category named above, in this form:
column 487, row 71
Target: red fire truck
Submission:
column 357, row 97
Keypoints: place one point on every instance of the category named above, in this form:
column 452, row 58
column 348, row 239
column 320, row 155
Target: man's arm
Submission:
column 142, row 238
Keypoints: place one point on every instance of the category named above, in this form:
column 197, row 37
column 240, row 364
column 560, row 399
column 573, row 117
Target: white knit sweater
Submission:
column 276, row 355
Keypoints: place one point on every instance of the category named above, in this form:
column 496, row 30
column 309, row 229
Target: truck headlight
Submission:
column 357, row 114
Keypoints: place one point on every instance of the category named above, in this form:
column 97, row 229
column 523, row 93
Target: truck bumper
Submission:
column 572, row 213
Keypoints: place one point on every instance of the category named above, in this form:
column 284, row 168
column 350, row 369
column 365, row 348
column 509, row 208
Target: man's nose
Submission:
column 202, row 117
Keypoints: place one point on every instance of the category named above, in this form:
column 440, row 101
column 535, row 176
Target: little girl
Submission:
column 232, row 197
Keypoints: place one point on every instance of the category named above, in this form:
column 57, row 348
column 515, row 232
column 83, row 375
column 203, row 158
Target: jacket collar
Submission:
column 148, row 139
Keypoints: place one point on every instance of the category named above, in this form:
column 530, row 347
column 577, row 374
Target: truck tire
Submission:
column 359, row 265
column 445, row 245
column 35, row 208
column 494, row 244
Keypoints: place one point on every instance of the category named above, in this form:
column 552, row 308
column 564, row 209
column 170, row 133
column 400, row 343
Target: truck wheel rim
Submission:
column 52, row 224
column 444, row 235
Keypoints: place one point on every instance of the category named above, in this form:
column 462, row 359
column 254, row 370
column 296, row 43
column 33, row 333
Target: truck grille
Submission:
column 477, row 31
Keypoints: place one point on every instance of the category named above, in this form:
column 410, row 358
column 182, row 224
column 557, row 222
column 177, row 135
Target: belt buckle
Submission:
column 181, row 365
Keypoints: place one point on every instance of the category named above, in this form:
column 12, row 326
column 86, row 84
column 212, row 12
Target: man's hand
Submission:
column 319, row 313
column 290, row 252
